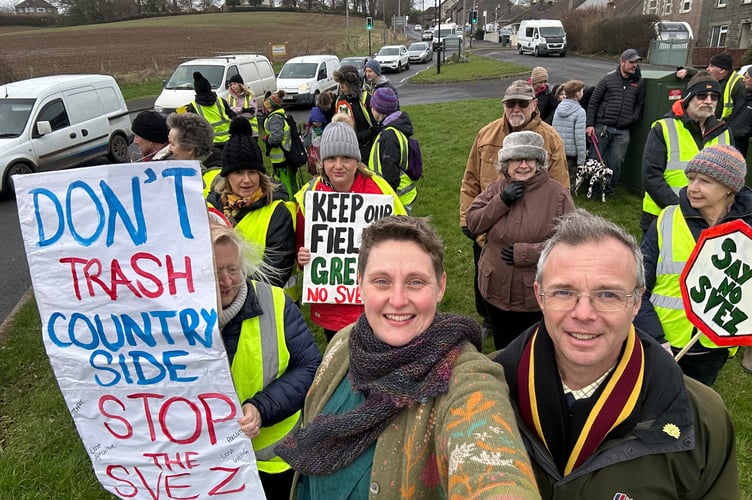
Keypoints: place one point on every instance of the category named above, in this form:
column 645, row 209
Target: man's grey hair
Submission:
column 580, row 227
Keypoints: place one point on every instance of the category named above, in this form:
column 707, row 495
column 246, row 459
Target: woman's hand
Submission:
column 304, row 256
column 512, row 192
column 250, row 422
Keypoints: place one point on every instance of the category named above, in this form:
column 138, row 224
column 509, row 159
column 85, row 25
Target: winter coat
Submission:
column 655, row 153
column 547, row 104
column 389, row 146
column 285, row 395
column 648, row 460
column 646, row 319
column 528, row 223
column 460, row 444
column 740, row 121
column 569, row 122
column 616, row 101
column 480, row 170
column 279, row 247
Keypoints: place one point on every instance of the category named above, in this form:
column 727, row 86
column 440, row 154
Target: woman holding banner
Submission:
column 716, row 194
column 403, row 403
column 340, row 171
column 272, row 356
column 254, row 204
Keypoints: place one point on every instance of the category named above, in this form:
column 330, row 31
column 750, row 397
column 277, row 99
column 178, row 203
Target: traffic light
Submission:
column 369, row 23
column 475, row 17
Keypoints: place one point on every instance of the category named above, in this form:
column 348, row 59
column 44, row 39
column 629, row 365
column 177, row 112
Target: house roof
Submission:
column 35, row 4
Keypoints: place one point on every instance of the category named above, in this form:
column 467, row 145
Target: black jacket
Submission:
column 616, row 101
column 547, row 103
column 285, row 395
column 389, row 148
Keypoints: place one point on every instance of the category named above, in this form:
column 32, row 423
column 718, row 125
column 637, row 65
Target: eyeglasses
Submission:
column 704, row 95
column 511, row 103
column 517, row 162
column 600, row 300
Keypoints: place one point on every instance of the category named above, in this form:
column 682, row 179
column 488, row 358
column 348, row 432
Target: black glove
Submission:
column 512, row 192
column 467, row 233
column 507, row 254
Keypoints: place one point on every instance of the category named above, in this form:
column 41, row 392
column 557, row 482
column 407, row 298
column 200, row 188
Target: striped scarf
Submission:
column 542, row 413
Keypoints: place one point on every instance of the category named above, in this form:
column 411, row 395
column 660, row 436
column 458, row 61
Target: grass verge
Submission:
column 476, row 67
column 40, row 453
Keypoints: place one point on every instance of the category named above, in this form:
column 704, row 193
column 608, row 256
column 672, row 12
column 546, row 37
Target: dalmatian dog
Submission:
column 598, row 173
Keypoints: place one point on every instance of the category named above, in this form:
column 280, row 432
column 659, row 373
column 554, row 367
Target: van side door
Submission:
column 89, row 120
column 57, row 149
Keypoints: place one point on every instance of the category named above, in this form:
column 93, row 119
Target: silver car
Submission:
column 420, row 52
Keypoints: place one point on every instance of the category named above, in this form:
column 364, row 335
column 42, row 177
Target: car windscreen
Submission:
column 298, row 70
column 415, row 47
column 182, row 78
column 358, row 62
column 551, row 31
column 389, row 51
column 14, row 113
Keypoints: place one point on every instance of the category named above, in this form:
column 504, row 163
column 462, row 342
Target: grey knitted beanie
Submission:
column 722, row 163
column 339, row 139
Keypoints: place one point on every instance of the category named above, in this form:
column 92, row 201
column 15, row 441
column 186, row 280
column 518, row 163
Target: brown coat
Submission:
column 480, row 170
column 527, row 224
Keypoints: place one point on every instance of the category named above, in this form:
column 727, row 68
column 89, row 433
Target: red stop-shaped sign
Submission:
column 716, row 284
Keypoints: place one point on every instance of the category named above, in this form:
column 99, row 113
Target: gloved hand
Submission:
column 507, row 254
column 513, row 191
column 467, row 233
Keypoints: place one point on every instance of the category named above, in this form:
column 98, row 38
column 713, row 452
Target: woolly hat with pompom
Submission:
column 241, row 151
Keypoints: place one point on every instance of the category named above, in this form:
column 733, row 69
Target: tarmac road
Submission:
column 13, row 267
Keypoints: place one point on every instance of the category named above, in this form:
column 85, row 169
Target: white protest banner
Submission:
column 333, row 226
column 716, row 284
column 121, row 264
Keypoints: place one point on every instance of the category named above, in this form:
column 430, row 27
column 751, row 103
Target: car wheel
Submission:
column 519, row 49
column 117, row 150
column 18, row 168
column 399, row 67
column 408, row 65
column 563, row 54
column 535, row 52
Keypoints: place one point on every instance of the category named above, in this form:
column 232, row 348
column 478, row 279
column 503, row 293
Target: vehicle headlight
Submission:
column 304, row 87
column 158, row 109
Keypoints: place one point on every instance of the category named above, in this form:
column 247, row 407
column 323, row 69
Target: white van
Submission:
column 256, row 71
column 56, row 122
column 542, row 37
column 303, row 78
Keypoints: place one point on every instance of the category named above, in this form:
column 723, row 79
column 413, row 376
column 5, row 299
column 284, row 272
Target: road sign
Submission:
column 716, row 284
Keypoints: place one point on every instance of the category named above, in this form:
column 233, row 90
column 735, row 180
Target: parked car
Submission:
column 358, row 61
column 56, row 122
column 420, row 52
column 393, row 58
column 303, row 78
column 256, row 71
column 427, row 35
column 418, row 27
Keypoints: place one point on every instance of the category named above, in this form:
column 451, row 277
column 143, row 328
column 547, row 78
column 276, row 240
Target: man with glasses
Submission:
column 614, row 106
column 675, row 139
column 603, row 409
column 520, row 113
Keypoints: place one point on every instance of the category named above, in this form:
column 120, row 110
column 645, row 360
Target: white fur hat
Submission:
column 523, row 145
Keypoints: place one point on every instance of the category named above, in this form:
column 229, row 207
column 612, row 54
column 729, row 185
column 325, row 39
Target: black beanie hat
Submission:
column 200, row 84
column 723, row 61
column 241, row 151
column 151, row 126
column 702, row 81
column 236, row 79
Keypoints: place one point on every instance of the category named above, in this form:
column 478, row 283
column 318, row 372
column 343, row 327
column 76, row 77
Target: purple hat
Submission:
column 384, row 100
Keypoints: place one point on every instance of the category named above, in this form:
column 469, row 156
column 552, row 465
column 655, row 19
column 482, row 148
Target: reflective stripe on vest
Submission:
column 208, row 179
column 232, row 100
column 276, row 154
column 217, row 118
column 262, row 344
column 680, row 148
column 728, row 103
column 675, row 245
column 406, row 190
column 384, row 187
